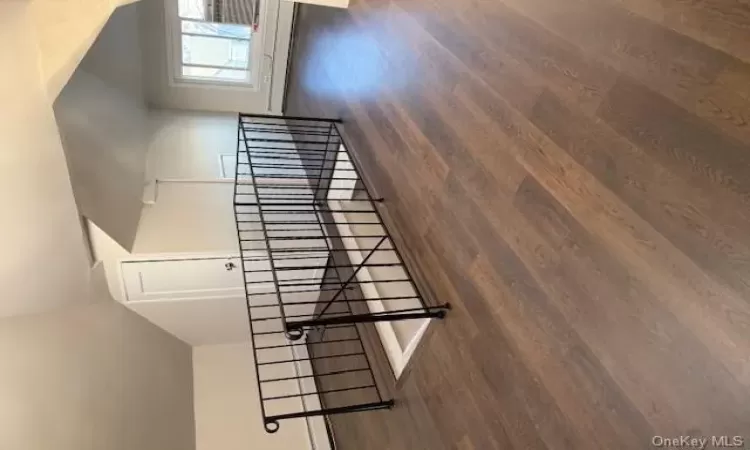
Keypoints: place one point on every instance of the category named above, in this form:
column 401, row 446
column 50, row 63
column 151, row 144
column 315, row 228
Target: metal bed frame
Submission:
column 317, row 260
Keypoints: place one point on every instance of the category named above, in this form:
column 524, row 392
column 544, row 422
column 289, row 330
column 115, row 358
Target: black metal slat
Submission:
column 330, row 391
column 312, row 358
column 276, row 157
column 318, row 375
column 305, row 344
column 350, row 300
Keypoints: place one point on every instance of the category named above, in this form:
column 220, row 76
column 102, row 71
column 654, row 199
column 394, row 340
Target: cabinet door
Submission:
column 173, row 279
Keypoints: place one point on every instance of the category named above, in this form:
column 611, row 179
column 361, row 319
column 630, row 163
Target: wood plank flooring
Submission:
column 574, row 177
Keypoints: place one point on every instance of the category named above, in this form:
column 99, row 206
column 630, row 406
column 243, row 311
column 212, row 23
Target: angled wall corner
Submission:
column 103, row 123
column 44, row 265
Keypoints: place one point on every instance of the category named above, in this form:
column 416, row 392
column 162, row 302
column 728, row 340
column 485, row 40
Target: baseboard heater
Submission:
column 294, row 181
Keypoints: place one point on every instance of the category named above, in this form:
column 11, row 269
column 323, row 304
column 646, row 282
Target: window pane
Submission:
column 209, row 51
column 216, row 29
column 206, row 73
column 193, row 9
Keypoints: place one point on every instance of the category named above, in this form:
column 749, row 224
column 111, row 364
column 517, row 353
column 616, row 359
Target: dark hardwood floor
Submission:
column 574, row 177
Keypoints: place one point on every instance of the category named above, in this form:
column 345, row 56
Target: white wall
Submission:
column 102, row 118
column 194, row 209
column 189, row 216
column 45, row 264
column 115, row 57
column 199, row 322
column 227, row 408
column 188, row 145
column 93, row 377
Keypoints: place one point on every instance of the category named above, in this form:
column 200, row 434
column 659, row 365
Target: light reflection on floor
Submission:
column 364, row 73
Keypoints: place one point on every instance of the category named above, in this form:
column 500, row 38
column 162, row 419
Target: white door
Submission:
column 175, row 279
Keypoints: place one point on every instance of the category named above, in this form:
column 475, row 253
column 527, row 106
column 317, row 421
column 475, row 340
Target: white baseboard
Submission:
column 398, row 355
column 317, row 432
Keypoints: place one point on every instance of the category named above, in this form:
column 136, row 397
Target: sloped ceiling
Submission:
column 102, row 118
column 65, row 29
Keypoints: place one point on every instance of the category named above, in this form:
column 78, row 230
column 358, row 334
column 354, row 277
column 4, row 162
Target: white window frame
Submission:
column 174, row 54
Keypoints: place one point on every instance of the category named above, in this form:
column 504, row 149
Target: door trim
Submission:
column 281, row 56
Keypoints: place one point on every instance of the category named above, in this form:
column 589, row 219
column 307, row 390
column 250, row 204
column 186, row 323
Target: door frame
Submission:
column 281, row 52
column 258, row 43
column 272, row 54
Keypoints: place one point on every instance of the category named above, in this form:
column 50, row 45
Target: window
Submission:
column 210, row 51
